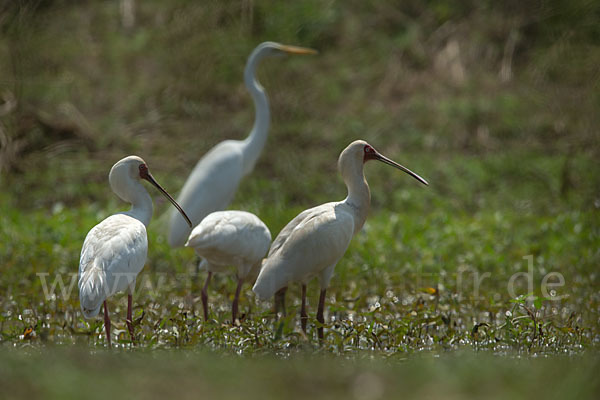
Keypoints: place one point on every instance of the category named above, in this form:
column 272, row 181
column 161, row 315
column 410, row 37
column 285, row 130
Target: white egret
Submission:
column 214, row 181
column 314, row 241
column 115, row 250
column 227, row 239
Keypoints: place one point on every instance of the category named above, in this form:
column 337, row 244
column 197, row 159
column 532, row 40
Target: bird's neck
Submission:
column 255, row 142
column 359, row 195
column 141, row 205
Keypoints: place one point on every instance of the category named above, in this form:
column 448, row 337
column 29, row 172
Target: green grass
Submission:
column 420, row 303
column 196, row 373
column 380, row 298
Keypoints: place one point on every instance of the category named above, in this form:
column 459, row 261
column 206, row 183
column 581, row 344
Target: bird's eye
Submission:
column 368, row 149
column 143, row 170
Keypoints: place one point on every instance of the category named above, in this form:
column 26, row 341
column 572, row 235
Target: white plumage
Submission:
column 226, row 240
column 115, row 250
column 310, row 245
column 313, row 242
column 113, row 253
column 210, row 187
column 215, row 179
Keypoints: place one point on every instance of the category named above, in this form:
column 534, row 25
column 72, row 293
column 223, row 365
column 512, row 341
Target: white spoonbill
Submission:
column 114, row 251
column 230, row 239
column 213, row 182
column 314, row 241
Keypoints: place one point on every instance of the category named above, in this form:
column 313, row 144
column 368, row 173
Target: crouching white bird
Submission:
column 114, row 251
column 226, row 239
column 314, row 241
column 215, row 178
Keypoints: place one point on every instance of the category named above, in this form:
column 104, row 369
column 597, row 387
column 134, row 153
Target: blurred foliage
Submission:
column 144, row 375
column 80, row 89
column 495, row 103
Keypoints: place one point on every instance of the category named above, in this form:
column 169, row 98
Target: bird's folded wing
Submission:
column 115, row 249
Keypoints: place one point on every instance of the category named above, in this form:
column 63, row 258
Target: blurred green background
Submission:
column 494, row 103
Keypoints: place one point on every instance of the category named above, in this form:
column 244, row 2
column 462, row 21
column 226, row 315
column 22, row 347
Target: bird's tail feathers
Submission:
column 92, row 291
column 268, row 283
column 254, row 272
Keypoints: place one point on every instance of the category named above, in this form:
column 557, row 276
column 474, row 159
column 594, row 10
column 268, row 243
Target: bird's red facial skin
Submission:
column 370, row 153
column 143, row 171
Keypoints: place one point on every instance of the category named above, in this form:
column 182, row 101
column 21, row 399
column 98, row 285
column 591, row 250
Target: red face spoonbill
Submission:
column 115, row 250
column 214, row 181
column 313, row 242
column 226, row 239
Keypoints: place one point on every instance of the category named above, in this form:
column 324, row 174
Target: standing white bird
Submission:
column 115, row 250
column 314, row 241
column 230, row 239
column 214, row 181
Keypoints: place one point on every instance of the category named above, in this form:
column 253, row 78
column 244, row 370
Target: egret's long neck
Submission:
column 359, row 195
column 255, row 142
column 141, row 203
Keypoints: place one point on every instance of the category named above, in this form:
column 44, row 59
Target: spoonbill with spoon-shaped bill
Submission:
column 115, row 250
column 314, row 241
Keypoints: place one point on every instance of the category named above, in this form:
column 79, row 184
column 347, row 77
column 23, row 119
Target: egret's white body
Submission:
column 215, row 179
column 226, row 239
column 115, row 250
column 314, row 241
